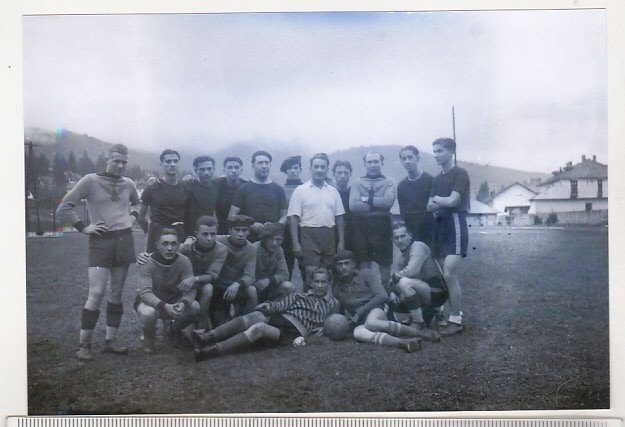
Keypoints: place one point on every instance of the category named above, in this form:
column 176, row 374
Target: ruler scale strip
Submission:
column 313, row 421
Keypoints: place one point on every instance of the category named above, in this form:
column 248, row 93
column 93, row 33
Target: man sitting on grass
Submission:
column 165, row 293
column 296, row 315
column 362, row 296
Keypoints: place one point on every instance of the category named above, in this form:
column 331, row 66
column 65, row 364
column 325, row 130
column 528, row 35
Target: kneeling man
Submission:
column 417, row 283
column 164, row 293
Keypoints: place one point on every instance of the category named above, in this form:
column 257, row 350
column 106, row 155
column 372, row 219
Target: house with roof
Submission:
column 576, row 194
column 480, row 214
column 513, row 203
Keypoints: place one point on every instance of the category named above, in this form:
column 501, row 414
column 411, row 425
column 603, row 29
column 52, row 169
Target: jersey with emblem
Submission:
column 108, row 200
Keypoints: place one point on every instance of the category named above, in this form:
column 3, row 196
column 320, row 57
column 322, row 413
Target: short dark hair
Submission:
column 345, row 163
column 169, row 151
column 343, row 255
column 447, row 143
column 233, row 159
column 401, row 224
column 261, row 153
column 202, row 159
column 364, row 158
column 165, row 231
column 206, row 220
column 322, row 156
column 412, row 148
column 118, row 148
column 322, row 270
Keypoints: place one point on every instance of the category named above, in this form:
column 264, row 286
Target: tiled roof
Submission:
column 587, row 169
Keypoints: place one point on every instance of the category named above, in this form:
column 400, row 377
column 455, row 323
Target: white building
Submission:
column 577, row 194
column 513, row 204
column 481, row 215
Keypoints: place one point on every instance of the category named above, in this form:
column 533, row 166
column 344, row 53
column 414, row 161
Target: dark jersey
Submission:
column 413, row 196
column 455, row 179
column 263, row 202
column 224, row 201
column 167, row 202
column 202, row 201
column 345, row 198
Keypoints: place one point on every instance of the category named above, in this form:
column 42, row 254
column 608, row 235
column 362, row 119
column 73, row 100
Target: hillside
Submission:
column 65, row 141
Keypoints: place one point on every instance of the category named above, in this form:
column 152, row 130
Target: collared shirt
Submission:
column 309, row 310
column 316, row 207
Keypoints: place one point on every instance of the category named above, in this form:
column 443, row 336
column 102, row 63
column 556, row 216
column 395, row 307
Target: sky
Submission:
column 528, row 87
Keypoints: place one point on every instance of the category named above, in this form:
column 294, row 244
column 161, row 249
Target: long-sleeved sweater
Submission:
column 360, row 293
column 269, row 265
column 240, row 264
column 380, row 192
column 108, row 200
column 157, row 283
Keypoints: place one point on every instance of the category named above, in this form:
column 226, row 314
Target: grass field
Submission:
column 536, row 306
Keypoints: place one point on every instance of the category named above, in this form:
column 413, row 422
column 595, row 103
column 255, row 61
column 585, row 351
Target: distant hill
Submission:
column 65, row 141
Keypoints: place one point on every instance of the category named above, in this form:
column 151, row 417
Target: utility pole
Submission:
column 453, row 126
column 31, row 184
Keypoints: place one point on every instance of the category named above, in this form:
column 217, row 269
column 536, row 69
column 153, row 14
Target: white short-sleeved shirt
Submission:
column 316, row 207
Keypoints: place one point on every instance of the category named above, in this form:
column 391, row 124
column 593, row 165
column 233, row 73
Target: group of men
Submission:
column 220, row 252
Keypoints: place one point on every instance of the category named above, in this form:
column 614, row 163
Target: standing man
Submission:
column 292, row 168
column 202, row 192
column 413, row 193
column 316, row 211
column 260, row 198
column 111, row 249
column 449, row 201
column 370, row 200
column 272, row 276
column 167, row 200
column 342, row 171
column 166, row 292
column 227, row 187
column 235, row 284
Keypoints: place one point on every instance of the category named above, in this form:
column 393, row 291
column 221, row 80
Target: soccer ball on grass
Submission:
column 336, row 327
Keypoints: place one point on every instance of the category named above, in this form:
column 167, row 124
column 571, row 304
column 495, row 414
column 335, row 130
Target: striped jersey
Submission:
column 310, row 310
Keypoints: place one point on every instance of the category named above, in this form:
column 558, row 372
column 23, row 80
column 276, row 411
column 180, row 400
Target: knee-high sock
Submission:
column 381, row 338
column 226, row 330
column 239, row 342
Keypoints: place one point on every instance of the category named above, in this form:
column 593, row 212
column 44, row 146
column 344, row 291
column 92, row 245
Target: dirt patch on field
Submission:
column 536, row 306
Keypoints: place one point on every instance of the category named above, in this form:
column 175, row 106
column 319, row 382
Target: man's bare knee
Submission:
column 361, row 333
column 262, row 330
column 254, row 317
column 206, row 292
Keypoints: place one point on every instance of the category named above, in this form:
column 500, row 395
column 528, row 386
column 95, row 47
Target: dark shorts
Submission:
column 154, row 229
column 288, row 332
column 372, row 239
column 318, row 246
column 112, row 249
column 421, row 226
column 451, row 235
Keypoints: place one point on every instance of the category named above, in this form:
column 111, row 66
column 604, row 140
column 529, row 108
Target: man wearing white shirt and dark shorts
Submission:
column 316, row 210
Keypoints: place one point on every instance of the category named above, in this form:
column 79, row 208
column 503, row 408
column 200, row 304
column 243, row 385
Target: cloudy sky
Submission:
column 529, row 87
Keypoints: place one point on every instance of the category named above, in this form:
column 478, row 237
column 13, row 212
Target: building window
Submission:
column 573, row 189
column 589, row 206
column 600, row 189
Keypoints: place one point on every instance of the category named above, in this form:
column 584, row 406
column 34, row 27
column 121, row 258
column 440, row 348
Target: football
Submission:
column 336, row 327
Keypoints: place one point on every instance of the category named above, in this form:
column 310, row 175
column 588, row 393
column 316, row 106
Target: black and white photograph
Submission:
column 317, row 212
